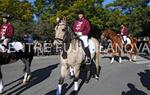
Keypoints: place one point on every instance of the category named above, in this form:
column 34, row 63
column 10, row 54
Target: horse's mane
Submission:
column 69, row 35
column 109, row 33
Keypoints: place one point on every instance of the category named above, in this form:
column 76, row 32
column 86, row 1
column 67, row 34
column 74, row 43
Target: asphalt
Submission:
column 127, row 78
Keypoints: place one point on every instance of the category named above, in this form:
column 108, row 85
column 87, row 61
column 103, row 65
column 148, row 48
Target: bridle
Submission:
column 58, row 39
column 62, row 40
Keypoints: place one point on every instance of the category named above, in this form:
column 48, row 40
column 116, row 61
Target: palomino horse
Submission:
column 118, row 45
column 25, row 53
column 72, row 54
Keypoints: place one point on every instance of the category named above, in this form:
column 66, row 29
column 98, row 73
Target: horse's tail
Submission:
column 134, row 42
column 132, row 47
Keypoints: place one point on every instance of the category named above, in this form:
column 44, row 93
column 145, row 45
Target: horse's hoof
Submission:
column 130, row 60
column 20, row 81
column 87, row 81
column 133, row 60
column 24, row 83
column 74, row 93
column 96, row 77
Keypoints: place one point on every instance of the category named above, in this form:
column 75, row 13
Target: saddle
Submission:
column 128, row 40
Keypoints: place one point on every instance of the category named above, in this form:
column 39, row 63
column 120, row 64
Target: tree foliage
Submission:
column 133, row 13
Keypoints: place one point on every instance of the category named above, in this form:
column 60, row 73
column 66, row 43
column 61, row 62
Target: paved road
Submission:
column 116, row 79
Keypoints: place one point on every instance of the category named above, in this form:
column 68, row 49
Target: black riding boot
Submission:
column 88, row 55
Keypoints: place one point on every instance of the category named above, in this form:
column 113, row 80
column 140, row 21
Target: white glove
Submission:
column 79, row 33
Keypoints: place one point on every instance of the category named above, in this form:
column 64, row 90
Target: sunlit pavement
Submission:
column 127, row 78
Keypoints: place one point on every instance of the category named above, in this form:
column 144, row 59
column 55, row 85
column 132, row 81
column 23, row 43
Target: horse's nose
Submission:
column 63, row 30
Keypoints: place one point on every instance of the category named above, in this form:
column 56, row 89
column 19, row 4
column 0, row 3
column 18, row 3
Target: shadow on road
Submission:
column 37, row 77
column 146, row 56
column 145, row 78
column 133, row 91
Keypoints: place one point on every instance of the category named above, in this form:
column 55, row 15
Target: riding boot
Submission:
column 125, row 42
column 88, row 55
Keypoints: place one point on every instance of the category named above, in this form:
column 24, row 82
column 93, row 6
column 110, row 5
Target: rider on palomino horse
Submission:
column 6, row 31
column 82, row 27
column 124, row 33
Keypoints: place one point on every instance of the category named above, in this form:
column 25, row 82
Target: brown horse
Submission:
column 118, row 45
column 72, row 55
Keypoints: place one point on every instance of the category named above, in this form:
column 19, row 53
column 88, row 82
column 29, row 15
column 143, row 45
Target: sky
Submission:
column 105, row 1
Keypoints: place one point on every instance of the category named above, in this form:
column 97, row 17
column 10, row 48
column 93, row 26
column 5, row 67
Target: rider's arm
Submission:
column 86, row 28
column 74, row 27
column 9, row 32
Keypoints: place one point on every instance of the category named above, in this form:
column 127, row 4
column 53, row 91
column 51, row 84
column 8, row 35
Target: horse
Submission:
column 72, row 55
column 118, row 45
column 22, row 51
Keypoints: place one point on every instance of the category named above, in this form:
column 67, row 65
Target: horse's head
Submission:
column 60, row 30
column 63, row 33
column 107, row 34
column 104, row 35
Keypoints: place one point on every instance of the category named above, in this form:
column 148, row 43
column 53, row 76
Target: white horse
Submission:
column 72, row 55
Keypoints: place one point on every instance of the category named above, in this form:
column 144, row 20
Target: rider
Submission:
column 82, row 27
column 124, row 33
column 6, row 31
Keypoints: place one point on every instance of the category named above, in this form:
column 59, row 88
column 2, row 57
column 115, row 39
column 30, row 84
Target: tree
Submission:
column 135, row 14
column 21, row 12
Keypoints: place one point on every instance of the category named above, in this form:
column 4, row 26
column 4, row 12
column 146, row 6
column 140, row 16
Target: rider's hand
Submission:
column 79, row 33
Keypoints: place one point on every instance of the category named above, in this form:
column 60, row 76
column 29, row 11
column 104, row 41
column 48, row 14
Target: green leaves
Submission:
column 133, row 13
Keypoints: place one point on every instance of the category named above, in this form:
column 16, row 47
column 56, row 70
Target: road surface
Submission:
column 126, row 78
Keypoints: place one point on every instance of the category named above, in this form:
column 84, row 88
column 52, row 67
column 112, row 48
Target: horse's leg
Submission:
column 27, row 71
column 76, row 78
column 1, row 82
column 120, row 59
column 88, row 73
column 113, row 56
column 30, row 61
column 98, row 68
column 71, row 72
column 63, row 73
column 134, row 57
column 130, row 59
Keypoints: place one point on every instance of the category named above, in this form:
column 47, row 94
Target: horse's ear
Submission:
column 64, row 18
column 57, row 19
